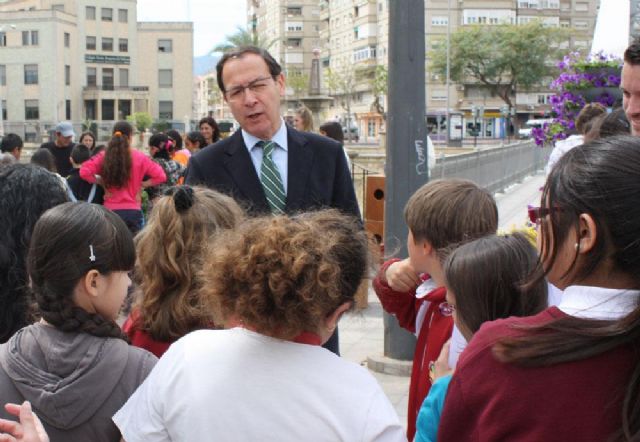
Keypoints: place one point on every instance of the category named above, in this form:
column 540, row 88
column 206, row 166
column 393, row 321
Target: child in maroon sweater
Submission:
column 571, row 372
column 440, row 215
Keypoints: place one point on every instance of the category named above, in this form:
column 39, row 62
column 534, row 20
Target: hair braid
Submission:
column 63, row 314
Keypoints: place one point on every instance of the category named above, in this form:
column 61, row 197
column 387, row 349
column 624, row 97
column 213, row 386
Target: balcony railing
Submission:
column 109, row 87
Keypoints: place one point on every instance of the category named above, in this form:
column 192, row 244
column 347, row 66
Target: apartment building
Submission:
column 90, row 60
column 353, row 40
column 292, row 28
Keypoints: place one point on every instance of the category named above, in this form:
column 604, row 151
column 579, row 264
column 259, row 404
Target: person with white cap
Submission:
column 61, row 147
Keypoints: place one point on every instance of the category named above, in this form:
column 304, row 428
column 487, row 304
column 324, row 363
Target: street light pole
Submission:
column 406, row 167
column 448, row 69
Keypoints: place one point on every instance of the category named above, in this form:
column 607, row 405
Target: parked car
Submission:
column 355, row 133
column 525, row 131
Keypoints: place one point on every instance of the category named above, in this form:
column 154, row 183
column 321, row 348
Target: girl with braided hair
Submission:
column 170, row 252
column 75, row 366
column 123, row 172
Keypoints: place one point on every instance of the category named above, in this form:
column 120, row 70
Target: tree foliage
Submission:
column 298, row 82
column 504, row 58
column 243, row 37
column 379, row 85
column 141, row 120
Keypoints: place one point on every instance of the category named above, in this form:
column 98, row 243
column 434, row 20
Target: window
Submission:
column 67, row 108
column 165, row 45
column 3, row 75
column 364, row 53
column 165, row 110
column 67, row 39
column 107, row 44
column 91, row 43
column 91, row 76
column 90, row 12
column 123, row 75
column 58, row 7
column 67, row 75
column 293, row 26
column 439, row 21
column 108, row 109
column 106, row 14
column 3, row 39
column 31, row 110
column 294, row 42
column 165, row 78
column 580, row 24
column 30, row 74
column 582, row 7
column 296, row 10
column 123, row 15
column 107, row 79
column 123, row 45
column 29, row 38
column 4, row 109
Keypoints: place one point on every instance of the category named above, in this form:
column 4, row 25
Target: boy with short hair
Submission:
column 12, row 144
column 440, row 215
column 79, row 189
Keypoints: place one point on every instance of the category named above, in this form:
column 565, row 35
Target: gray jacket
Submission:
column 74, row 381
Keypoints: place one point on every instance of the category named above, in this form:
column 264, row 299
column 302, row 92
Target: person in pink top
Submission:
column 123, row 172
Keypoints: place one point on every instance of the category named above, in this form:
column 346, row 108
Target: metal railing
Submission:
column 494, row 168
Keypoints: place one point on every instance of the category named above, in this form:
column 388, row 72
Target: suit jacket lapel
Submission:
column 239, row 165
column 300, row 160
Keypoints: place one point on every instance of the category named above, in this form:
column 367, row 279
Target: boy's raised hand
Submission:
column 402, row 277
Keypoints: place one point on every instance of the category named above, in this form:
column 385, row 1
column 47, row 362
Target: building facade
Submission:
column 353, row 40
column 90, row 60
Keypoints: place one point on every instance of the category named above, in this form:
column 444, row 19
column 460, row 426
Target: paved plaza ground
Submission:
column 362, row 333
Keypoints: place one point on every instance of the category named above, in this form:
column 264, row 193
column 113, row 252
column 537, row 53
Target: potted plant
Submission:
column 582, row 80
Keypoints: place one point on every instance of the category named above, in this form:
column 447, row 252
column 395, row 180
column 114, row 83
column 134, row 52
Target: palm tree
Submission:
column 243, row 37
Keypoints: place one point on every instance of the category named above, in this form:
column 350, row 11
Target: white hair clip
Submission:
column 92, row 257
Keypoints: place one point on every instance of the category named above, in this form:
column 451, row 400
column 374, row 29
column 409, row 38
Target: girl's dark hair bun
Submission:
column 183, row 198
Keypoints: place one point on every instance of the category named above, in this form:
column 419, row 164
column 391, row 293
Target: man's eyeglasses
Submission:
column 536, row 214
column 256, row 86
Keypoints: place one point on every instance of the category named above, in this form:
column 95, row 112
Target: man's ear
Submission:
column 282, row 83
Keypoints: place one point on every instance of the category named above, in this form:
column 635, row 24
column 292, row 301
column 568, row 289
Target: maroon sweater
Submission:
column 575, row 401
column 434, row 332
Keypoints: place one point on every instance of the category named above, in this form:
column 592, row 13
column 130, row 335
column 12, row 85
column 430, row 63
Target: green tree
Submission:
column 298, row 81
column 342, row 86
column 379, row 85
column 141, row 120
column 503, row 58
column 243, row 37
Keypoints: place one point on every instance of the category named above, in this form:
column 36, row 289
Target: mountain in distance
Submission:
column 204, row 64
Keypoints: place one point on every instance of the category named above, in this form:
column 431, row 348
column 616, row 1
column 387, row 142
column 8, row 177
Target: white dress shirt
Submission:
column 280, row 153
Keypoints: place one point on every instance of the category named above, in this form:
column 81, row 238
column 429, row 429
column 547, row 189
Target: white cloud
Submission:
column 212, row 19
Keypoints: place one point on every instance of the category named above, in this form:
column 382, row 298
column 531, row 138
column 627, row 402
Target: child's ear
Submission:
column 91, row 282
column 427, row 248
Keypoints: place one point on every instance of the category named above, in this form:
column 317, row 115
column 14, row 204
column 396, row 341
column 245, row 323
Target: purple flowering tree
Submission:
column 582, row 80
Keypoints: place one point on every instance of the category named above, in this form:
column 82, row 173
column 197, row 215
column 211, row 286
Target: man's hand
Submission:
column 401, row 276
column 29, row 429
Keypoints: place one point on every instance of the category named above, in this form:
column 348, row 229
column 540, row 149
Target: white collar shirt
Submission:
column 598, row 303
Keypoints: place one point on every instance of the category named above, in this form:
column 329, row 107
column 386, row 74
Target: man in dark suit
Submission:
column 267, row 166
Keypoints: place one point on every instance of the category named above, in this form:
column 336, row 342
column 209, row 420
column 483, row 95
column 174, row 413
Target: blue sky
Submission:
column 213, row 19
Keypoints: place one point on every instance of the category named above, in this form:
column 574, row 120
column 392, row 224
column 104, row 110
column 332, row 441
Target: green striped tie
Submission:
column 271, row 180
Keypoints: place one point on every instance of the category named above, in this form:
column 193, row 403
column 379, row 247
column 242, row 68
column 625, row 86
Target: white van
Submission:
column 525, row 132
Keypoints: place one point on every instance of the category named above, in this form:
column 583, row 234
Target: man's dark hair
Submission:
column 11, row 142
column 274, row 67
column 632, row 53
column 80, row 153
